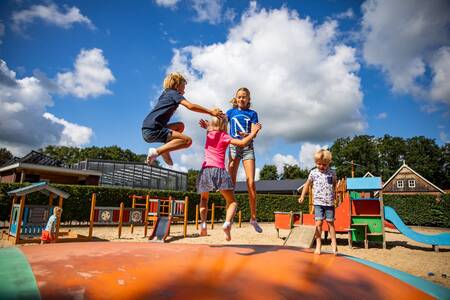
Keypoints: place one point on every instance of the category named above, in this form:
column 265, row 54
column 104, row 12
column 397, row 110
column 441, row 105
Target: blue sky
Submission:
column 86, row 73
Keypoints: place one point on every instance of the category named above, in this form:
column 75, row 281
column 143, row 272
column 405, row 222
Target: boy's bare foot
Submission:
column 227, row 230
column 335, row 249
column 151, row 156
column 167, row 158
column 317, row 252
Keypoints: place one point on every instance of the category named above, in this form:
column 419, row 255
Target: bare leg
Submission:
column 231, row 210
column 333, row 237
column 203, row 212
column 249, row 167
column 233, row 167
column 318, row 236
column 178, row 141
column 178, row 127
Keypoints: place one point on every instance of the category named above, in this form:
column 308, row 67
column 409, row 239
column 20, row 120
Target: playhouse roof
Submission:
column 42, row 187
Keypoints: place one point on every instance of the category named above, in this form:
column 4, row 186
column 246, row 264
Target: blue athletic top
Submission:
column 240, row 121
column 162, row 112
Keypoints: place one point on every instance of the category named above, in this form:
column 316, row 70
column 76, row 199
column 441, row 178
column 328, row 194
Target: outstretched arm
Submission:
column 198, row 108
column 305, row 189
column 246, row 140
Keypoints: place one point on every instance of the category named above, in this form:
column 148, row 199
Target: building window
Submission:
column 400, row 184
column 411, row 183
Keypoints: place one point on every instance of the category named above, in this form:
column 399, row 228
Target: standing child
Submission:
column 242, row 119
column 156, row 126
column 323, row 181
column 213, row 175
column 49, row 233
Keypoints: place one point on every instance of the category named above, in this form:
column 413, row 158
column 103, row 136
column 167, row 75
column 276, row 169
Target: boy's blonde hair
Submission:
column 57, row 210
column 323, row 155
column 234, row 100
column 219, row 123
column 173, row 80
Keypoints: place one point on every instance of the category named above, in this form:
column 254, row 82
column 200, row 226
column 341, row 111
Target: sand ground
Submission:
column 402, row 253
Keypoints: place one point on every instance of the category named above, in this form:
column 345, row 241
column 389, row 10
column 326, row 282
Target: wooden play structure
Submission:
column 213, row 214
column 106, row 215
column 27, row 221
column 367, row 211
column 168, row 211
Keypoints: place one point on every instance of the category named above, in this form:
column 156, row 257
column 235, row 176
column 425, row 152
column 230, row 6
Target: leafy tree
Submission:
column 293, row 172
column 268, row 172
column 423, row 155
column 445, row 166
column 5, row 155
column 192, row 179
column 391, row 151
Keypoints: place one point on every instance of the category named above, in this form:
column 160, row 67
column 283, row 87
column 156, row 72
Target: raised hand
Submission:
column 203, row 123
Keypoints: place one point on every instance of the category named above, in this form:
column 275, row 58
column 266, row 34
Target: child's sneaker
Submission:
column 227, row 229
column 167, row 158
column 151, row 156
column 255, row 225
column 203, row 230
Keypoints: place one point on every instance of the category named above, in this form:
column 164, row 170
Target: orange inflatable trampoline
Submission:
column 114, row 270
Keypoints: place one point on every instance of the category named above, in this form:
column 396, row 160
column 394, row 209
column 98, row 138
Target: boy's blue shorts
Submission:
column 156, row 135
column 324, row 212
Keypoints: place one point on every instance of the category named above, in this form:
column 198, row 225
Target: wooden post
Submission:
column 212, row 216
column 120, row 219
column 50, row 200
column 58, row 221
column 91, row 220
column 186, row 205
column 353, row 169
column 133, row 205
column 311, row 201
column 147, row 207
column 196, row 216
column 11, row 216
column 240, row 218
column 19, row 220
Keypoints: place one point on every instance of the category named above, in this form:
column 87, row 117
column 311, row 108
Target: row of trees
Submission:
column 381, row 157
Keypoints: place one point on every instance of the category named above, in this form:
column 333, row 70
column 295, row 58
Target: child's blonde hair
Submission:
column 323, row 155
column 234, row 100
column 173, row 80
column 219, row 123
column 57, row 210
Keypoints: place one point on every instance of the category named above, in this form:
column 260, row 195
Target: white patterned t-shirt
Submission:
column 322, row 185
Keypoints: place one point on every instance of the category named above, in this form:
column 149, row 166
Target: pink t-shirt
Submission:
column 215, row 149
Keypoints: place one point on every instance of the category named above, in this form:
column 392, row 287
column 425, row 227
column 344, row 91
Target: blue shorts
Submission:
column 156, row 135
column 323, row 212
column 243, row 153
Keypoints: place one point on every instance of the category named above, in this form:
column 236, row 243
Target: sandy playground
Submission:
column 401, row 253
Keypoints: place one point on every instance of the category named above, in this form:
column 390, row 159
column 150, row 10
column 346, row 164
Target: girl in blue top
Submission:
column 156, row 126
column 241, row 119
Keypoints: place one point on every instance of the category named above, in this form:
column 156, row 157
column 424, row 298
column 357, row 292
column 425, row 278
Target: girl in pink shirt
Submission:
column 213, row 175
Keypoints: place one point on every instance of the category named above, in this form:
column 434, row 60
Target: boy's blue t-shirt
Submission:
column 241, row 120
column 162, row 112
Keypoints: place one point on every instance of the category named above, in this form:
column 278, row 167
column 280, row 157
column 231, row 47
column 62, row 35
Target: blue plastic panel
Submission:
column 364, row 184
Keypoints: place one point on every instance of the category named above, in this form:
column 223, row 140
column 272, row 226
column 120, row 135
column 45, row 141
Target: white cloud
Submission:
column 23, row 126
column 440, row 88
column 50, row 14
column 348, row 14
column 208, row 10
column 172, row 4
column 279, row 160
column 90, row 77
column 306, row 154
column 404, row 38
column 382, row 116
column 444, row 137
column 72, row 134
column 303, row 82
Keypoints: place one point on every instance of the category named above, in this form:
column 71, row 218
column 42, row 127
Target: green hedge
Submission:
column 421, row 210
